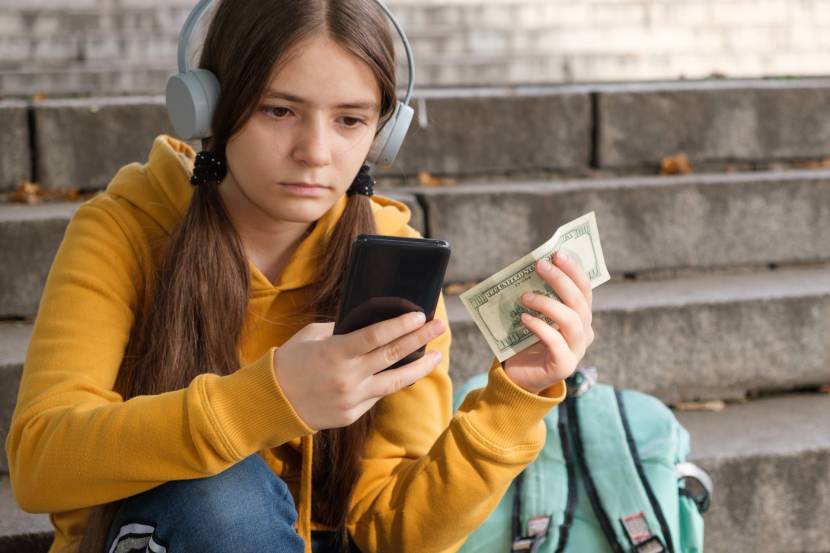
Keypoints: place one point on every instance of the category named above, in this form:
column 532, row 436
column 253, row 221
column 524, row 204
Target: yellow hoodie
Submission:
column 428, row 478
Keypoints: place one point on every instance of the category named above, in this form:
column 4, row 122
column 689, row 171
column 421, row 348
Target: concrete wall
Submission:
column 475, row 133
column 611, row 40
column 128, row 46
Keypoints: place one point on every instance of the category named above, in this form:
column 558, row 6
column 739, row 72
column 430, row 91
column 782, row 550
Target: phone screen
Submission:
column 389, row 276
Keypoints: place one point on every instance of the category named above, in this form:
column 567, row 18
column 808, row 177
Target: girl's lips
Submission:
column 302, row 189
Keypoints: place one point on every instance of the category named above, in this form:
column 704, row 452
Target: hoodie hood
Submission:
column 161, row 188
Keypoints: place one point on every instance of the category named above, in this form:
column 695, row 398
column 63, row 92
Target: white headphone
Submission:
column 192, row 96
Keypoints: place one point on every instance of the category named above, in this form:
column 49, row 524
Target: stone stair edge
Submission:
column 692, row 289
column 471, row 184
column 748, row 284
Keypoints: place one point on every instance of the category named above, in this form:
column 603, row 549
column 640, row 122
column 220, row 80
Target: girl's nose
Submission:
column 312, row 147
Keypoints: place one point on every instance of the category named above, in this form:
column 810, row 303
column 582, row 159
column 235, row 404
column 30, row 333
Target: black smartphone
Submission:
column 388, row 276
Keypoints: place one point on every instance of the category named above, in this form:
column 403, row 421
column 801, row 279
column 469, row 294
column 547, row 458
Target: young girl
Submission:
column 183, row 390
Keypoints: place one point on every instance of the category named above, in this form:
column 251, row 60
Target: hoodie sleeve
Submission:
column 74, row 442
column 429, row 478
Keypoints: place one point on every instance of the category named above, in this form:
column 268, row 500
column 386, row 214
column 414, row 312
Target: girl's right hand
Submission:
column 332, row 380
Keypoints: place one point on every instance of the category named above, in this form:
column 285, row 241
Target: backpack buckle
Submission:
column 651, row 545
column 637, row 530
column 537, row 532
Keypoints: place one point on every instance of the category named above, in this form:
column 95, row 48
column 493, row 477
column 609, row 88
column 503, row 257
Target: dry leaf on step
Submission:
column 27, row 192
column 425, row 179
column 676, row 165
column 713, row 405
column 821, row 164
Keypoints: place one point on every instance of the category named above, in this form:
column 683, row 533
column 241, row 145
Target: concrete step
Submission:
column 14, row 340
column 15, row 151
column 698, row 337
column 469, row 133
column 32, row 234
column 21, row 532
column 650, row 226
column 647, row 224
column 769, row 459
column 84, row 81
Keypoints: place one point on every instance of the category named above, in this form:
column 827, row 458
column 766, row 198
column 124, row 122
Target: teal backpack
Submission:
column 612, row 477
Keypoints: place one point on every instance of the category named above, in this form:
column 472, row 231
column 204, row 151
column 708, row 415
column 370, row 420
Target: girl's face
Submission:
column 314, row 125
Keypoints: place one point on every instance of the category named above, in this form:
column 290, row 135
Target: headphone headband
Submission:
column 196, row 15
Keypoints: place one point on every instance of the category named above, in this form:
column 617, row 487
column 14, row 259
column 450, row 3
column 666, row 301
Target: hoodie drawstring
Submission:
column 304, row 514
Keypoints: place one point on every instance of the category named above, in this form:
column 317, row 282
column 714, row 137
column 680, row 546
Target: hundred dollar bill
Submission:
column 495, row 303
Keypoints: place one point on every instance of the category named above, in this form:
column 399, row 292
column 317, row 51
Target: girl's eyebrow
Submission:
column 349, row 105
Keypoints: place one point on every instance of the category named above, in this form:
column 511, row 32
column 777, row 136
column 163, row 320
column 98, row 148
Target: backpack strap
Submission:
column 629, row 516
column 545, row 495
column 635, row 456
column 570, row 468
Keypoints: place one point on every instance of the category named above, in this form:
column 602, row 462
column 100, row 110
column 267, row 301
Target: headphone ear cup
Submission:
column 191, row 99
column 389, row 140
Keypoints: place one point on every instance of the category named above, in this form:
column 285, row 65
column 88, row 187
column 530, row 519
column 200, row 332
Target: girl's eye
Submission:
column 273, row 110
column 355, row 122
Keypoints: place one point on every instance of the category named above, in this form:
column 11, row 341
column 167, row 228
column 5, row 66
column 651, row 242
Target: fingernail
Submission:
column 527, row 297
column 544, row 265
column 435, row 356
column 417, row 317
column 561, row 256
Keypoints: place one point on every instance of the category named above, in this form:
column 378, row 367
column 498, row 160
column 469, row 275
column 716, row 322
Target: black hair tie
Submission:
column 208, row 167
column 363, row 183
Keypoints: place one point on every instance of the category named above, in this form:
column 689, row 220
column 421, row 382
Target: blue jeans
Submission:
column 244, row 509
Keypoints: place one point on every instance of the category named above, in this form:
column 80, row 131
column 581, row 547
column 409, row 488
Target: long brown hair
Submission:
column 245, row 42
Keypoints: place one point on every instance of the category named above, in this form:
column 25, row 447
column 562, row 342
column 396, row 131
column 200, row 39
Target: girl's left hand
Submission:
column 558, row 352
